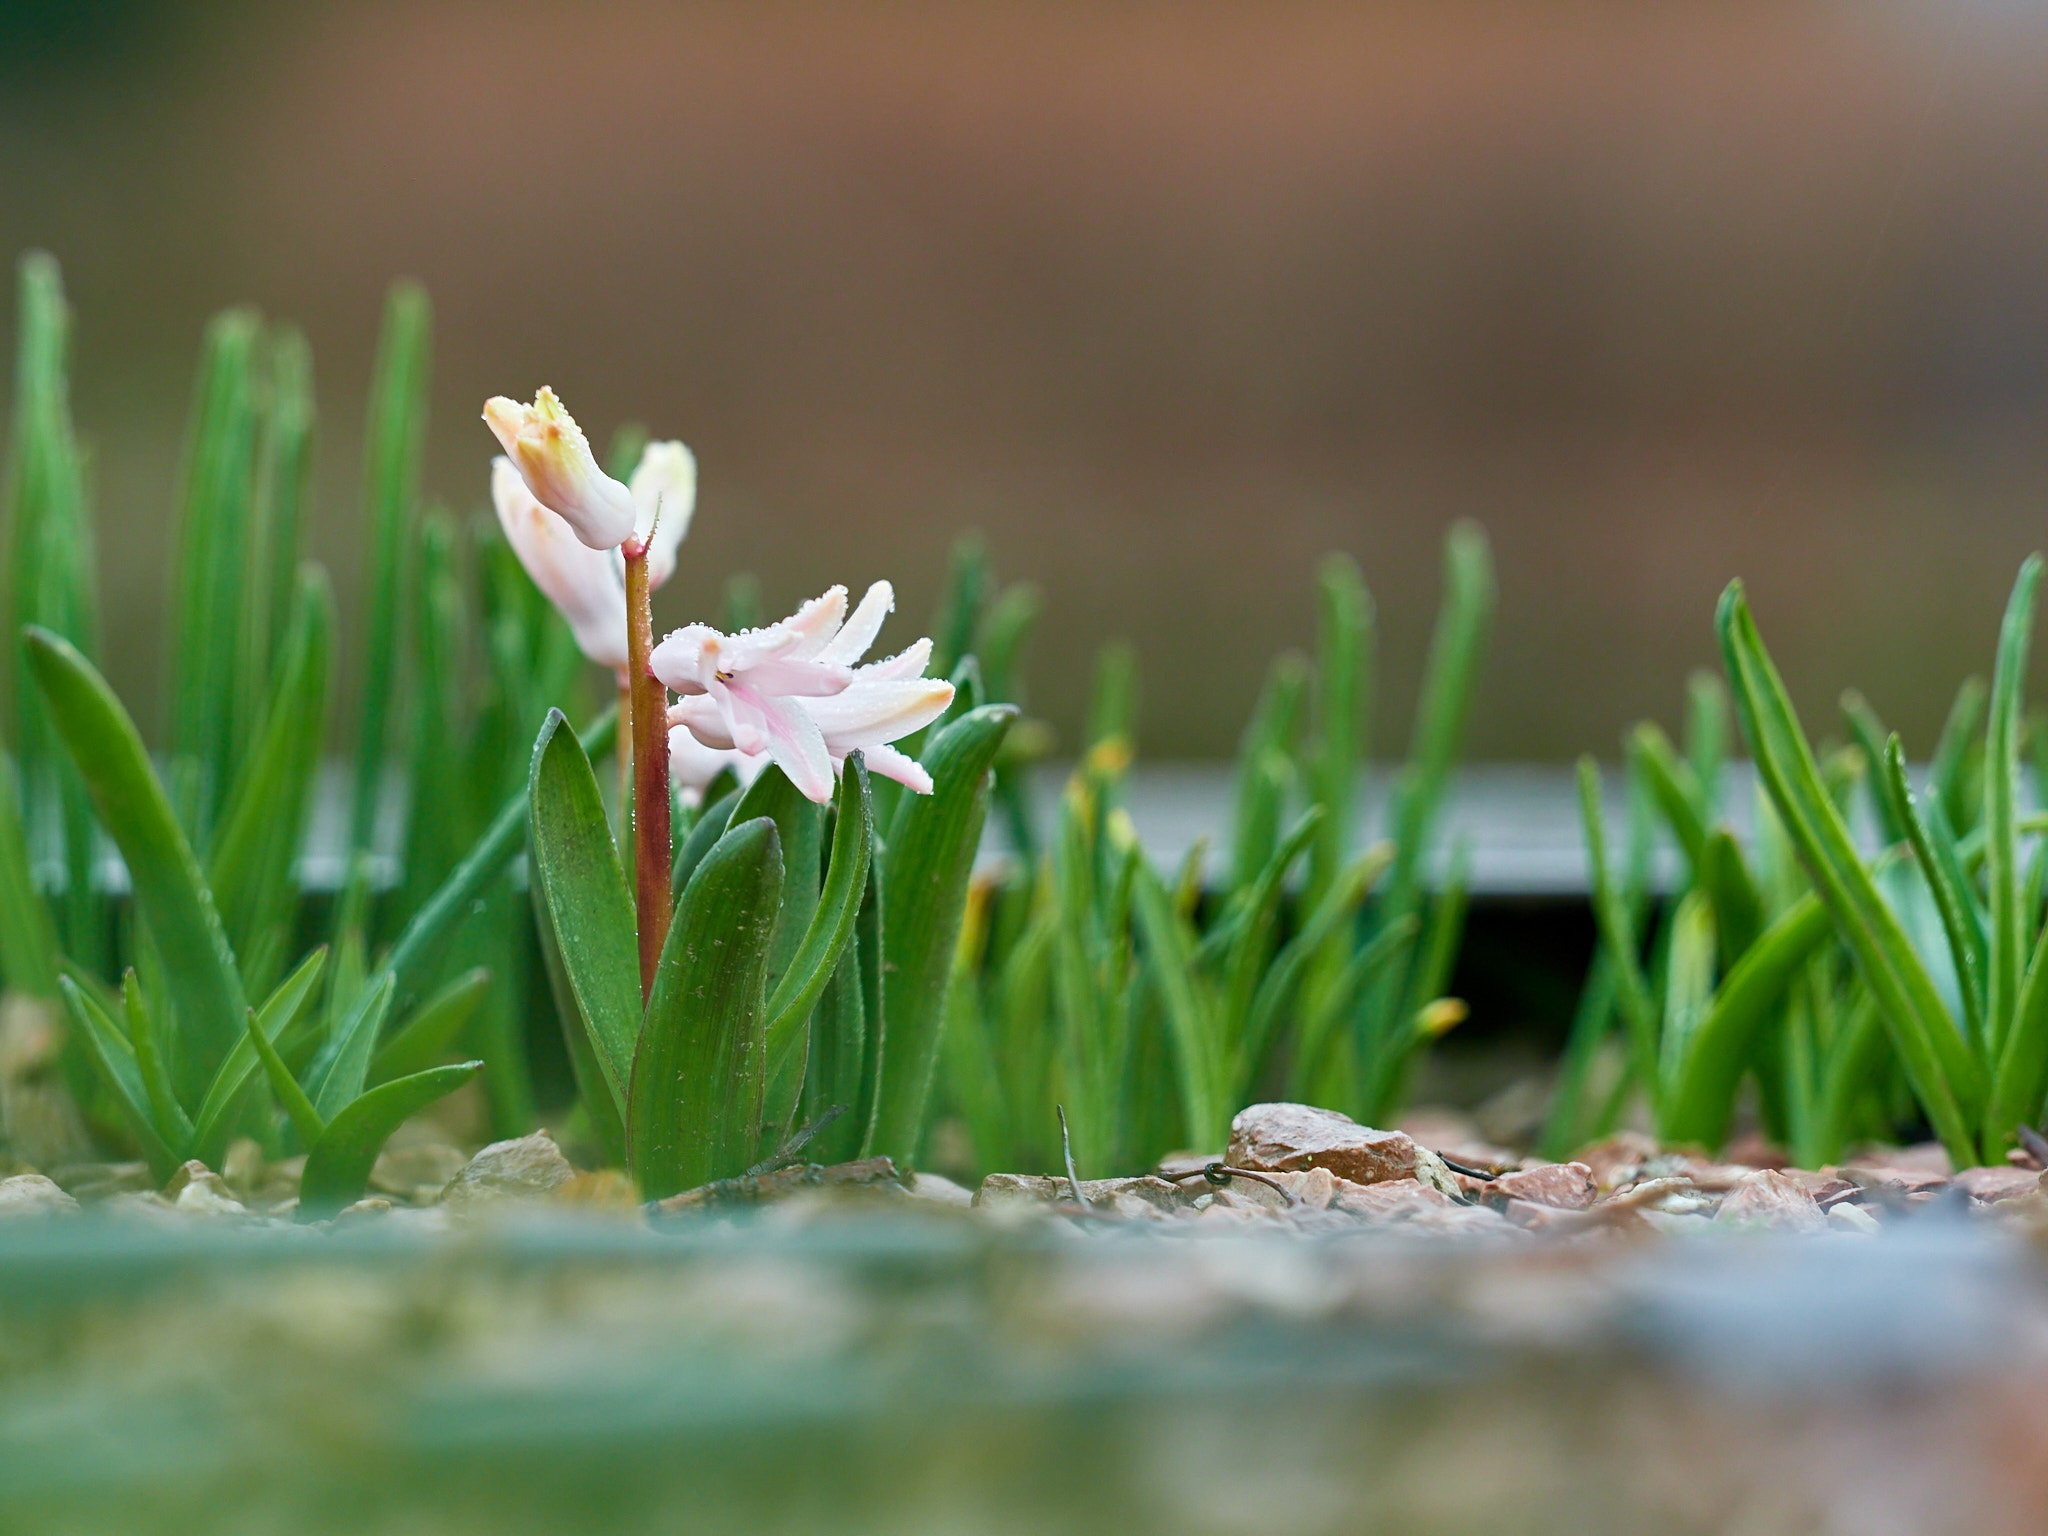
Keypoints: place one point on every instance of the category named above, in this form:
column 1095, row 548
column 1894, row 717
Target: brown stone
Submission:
column 1618, row 1159
column 1293, row 1138
column 1564, row 1186
column 1767, row 1198
column 1389, row 1199
column 1987, row 1186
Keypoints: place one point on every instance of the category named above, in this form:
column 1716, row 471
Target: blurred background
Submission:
column 1166, row 300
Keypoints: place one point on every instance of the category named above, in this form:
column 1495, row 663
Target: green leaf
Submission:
column 1939, row 867
column 217, row 1111
column 211, row 587
column 143, row 1037
column 1169, row 951
column 339, row 1071
column 1703, row 1087
column 1265, row 768
column 1946, row 769
column 1674, row 787
column 28, row 938
column 816, row 955
column 50, row 563
column 1946, row 1077
column 306, row 1120
column 800, row 824
column 926, row 865
column 1617, row 936
column 602, row 1104
column 1448, row 685
column 393, row 441
column 2008, row 937
column 264, row 821
column 711, row 825
column 1344, row 656
column 413, row 1047
column 339, row 1166
column 694, row 1102
column 169, row 891
column 115, row 1059
column 411, row 959
column 579, row 880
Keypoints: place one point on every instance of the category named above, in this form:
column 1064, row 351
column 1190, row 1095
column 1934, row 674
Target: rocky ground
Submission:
column 1288, row 1167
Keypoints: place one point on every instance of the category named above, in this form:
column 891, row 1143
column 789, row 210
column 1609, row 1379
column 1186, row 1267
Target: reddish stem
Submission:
column 653, row 848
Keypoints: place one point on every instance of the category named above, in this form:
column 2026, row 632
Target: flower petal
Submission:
column 664, row 481
column 553, row 457
column 870, row 713
column 679, row 659
column 578, row 580
column 852, row 642
column 795, row 743
column 900, row 766
column 908, row 662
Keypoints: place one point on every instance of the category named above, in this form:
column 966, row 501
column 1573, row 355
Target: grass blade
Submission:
column 2008, row 947
column 394, row 438
column 115, row 1059
column 1946, row 1076
column 217, row 1111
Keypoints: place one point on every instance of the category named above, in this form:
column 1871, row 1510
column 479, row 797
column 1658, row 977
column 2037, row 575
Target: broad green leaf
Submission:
column 115, row 1059
column 169, row 890
column 800, row 826
column 414, row 1046
column 710, row 826
column 1688, row 983
column 285, row 486
column 1946, row 1077
column 926, row 865
column 578, row 878
column 215, row 1118
column 694, row 1102
column 816, row 956
column 339, row 1166
column 602, row 1105
column 393, row 442
column 837, row 1060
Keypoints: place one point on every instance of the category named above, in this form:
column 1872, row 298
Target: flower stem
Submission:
column 653, row 849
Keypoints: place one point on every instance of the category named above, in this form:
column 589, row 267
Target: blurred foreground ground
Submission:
column 886, row 1375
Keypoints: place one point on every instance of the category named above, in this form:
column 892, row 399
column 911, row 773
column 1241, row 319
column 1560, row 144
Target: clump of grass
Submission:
column 1155, row 1005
